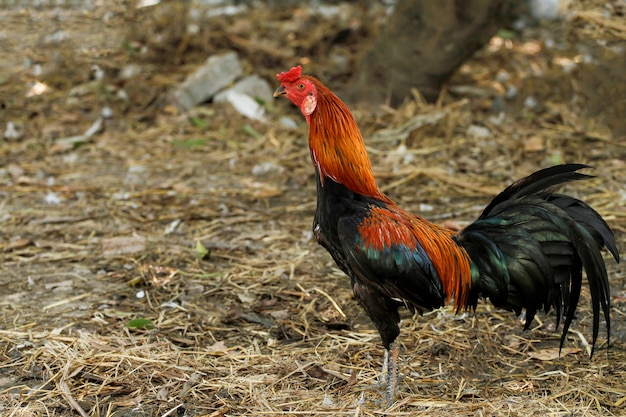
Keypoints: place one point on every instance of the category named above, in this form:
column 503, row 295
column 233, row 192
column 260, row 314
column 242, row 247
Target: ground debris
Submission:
column 262, row 323
column 123, row 245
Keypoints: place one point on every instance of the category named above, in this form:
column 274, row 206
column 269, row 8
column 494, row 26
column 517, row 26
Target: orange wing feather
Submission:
column 389, row 225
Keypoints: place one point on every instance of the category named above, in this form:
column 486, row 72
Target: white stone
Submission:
column 217, row 72
column 252, row 85
column 530, row 102
column 548, row 9
column 265, row 168
column 52, row 198
column 288, row 122
column 246, row 105
column 478, row 131
column 12, row 132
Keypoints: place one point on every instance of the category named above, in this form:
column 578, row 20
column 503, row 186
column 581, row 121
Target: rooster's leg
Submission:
column 391, row 367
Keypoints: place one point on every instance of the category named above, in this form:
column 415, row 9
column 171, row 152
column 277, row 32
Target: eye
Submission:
column 300, row 86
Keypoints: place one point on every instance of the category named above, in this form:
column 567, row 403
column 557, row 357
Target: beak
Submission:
column 280, row 91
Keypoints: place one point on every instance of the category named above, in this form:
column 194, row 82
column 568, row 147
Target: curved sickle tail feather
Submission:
column 529, row 248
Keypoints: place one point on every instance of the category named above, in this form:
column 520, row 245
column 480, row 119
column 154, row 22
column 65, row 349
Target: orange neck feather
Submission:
column 339, row 153
column 337, row 147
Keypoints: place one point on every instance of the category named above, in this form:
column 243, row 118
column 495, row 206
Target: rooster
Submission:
column 526, row 251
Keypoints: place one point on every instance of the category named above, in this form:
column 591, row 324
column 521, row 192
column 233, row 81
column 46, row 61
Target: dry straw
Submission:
column 264, row 324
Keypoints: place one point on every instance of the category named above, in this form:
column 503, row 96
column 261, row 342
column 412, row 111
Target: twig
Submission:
column 584, row 341
column 65, row 390
column 332, row 301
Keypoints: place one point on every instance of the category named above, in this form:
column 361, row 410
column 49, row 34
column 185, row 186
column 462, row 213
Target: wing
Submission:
column 381, row 248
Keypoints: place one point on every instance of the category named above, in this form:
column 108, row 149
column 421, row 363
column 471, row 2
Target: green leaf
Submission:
column 201, row 251
column 189, row 143
column 198, row 122
column 140, row 324
column 251, row 131
column 134, row 281
column 506, row 34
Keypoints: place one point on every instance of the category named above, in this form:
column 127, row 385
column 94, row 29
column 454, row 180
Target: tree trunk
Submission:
column 421, row 45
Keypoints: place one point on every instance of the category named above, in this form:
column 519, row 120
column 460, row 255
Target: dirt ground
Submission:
column 164, row 266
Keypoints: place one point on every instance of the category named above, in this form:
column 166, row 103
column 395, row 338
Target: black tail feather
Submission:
column 538, row 181
column 583, row 214
column 530, row 246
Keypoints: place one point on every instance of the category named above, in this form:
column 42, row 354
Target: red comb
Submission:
column 291, row 75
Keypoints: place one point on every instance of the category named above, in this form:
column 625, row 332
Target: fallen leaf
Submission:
column 534, row 144
column 163, row 394
column 551, row 354
column 201, row 251
column 218, row 346
column 280, row 314
column 15, row 244
column 15, row 171
column 246, row 297
column 140, row 324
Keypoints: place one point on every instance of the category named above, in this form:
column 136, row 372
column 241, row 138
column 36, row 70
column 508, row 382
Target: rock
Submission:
column 288, row 122
column 242, row 96
column 217, row 72
column 478, row 131
column 52, row 198
column 530, row 102
column 511, row 92
column 265, row 168
column 130, row 71
column 548, row 9
column 252, row 85
column 226, row 10
column 13, row 132
column 246, row 105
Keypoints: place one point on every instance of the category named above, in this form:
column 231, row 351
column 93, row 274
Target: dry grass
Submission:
column 266, row 325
